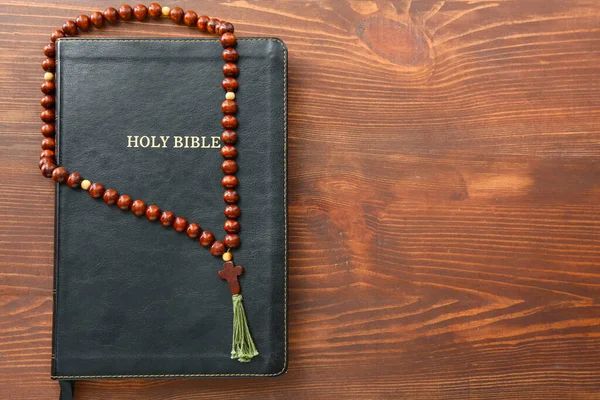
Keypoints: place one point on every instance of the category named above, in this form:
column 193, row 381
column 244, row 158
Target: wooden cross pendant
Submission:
column 230, row 274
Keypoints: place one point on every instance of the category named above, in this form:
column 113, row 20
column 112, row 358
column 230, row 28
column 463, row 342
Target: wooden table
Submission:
column 444, row 200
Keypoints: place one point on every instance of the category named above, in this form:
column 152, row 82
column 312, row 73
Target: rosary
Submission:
column 243, row 348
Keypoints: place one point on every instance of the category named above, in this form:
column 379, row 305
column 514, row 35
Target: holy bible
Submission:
column 134, row 299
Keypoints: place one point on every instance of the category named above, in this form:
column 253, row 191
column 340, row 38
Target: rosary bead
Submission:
column 124, row 202
column 230, row 54
column 202, row 23
column 224, row 27
column 232, row 211
column 57, row 34
column 48, row 130
column 111, row 15
column 232, row 241
column 47, row 101
column 48, row 143
column 228, row 151
column 229, row 136
column 229, row 107
column 48, row 87
column 231, row 196
column 96, row 190
column 230, row 69
column 138, row 208
column 231, row 226
column 125, row 12
column 230, row 96
column 47, row 153
column 48, row 64
column 229, row 122
column 176, row 15
column 180, row 224
column 217, row 248
column 47, row 115
column 206, row 238
column 140, row 12
column 47, row 170
column 227, row 256
column 230, row 84
column 228, row 40
column 229, row 167
column 154, row 10
column 211, row 26
column 167, row 218
column 193, row 230
column 48, row 76
column 50, row 50
column 153, row 213
column 85, row 184
column 70, row 27
column 190, row 18
column 166, row 11
column 97, row 19
column 110, row 196
column 60, row 175
column 74, row 180
column 83, row 22
column 229, row 182
column 45, row 160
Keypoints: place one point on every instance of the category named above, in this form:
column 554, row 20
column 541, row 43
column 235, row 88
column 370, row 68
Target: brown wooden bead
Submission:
column 140, row 12
column 111, row 15
column 96, row 190
column 229, row 167
column 49, row 64
column 228, row 151
column 193, row 230
column 97, row 19
column 60, row 175
column 74, row 180
column 228, row 40
column 229, row 107
column 229, row 182
column 47, row 169
column 202, row 22
column 48, row 87
column 232, row 241
column 124, row 202
column 48, row 143
column 50, row 50
column 138, row 208
column 83, row 22
column 45, row 160
column 47, row 115
column 154, row 10
column 176, row 14
column 167, row 218
column 70, row 27
column 125, row 12
column 230, row 69
column 48, row 130
column 47, row 153
column 110, row 197
column 229, row 122
column 230, row 84
column 190, row 18
column 47, row 101
column 180, row 224
column 229, row 137
column 224, row 27
column 231, row 196
column 211, row 26
column 231, row 226
column 57, row 34
column 218, row 248
column 153, row 213
column 230, row 54
column 206, row 238
column 232, row 211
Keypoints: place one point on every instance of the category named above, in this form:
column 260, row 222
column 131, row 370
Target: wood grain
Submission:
column 444, row 214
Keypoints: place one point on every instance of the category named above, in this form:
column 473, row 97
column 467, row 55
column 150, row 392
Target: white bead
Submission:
column 230, row 95
column 48, row 76
column 85, row 184
column 165, row 11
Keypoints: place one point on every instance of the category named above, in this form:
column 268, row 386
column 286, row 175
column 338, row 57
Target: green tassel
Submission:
column 242, row 345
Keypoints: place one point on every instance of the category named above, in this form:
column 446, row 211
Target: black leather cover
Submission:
column 136, row 300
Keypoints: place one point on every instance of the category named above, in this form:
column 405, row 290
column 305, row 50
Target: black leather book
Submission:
column 143, row 116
